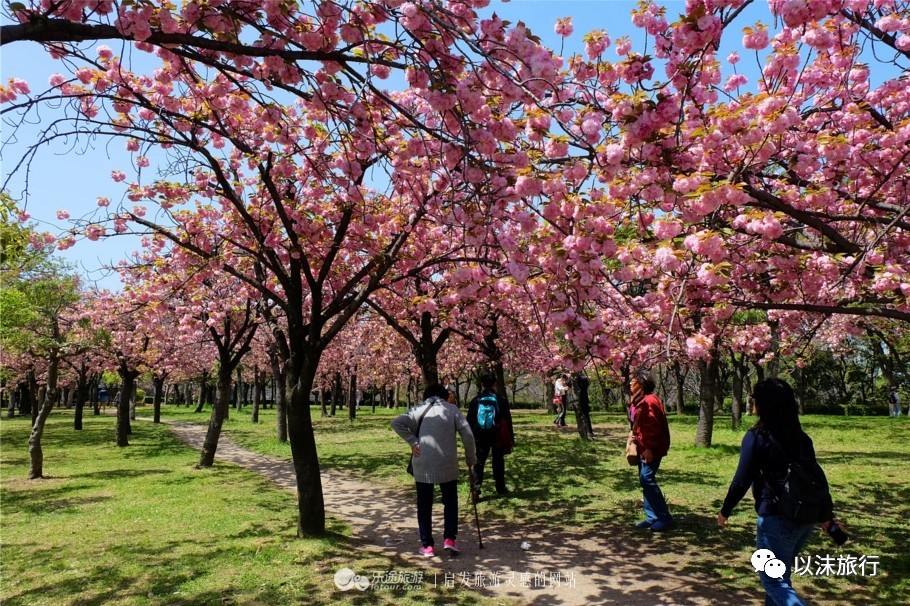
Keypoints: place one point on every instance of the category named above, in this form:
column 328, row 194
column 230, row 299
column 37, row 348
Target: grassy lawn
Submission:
column 140, row 526
column 588, row 486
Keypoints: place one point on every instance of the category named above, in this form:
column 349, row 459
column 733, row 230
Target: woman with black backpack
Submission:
column 774, row 452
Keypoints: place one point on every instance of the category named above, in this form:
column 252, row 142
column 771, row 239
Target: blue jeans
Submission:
column 425, row 510
column 655, row 504
column 786, row 539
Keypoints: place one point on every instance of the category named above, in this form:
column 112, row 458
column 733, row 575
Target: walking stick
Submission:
column 474, row 500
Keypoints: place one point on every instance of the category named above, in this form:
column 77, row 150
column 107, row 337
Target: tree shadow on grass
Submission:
column 39, row 497
column 161, row 582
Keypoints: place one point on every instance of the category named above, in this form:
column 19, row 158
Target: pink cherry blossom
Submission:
column 564, row 27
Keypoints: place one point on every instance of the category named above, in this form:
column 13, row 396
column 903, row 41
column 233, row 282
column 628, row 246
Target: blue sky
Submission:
column 72, row 178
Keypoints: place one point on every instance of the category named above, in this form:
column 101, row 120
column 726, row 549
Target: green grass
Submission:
column 588, row 487
column 141, row 526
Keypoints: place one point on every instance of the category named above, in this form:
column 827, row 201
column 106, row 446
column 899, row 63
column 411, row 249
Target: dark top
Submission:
column 503, row 412
column 580, row 383
column 760, row 464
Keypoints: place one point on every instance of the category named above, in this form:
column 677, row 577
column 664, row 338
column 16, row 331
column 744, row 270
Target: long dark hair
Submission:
column 778, row 413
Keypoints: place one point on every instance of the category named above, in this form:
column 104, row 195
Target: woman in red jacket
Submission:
column 652, row 434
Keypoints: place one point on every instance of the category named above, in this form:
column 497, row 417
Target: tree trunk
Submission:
column 324, row 397
column 747, row 389
column 352, row 396
column 33, row 395
column 158, row 382
column 258, row 391
column 759, row 371
column 96, row 402
column 239, row 390
column 219, row 413
column 426, row 350
column 679, row 378
column 78, row 411
column 128, row 380
column 336, row 393
column 720, row 382
column 706, row 395
column 774, row 364
column 281, row 413
column 583, row 408
column 35, row 452
column 202, row 392
column 740, row 368
column 311, row 505
column 82, row 395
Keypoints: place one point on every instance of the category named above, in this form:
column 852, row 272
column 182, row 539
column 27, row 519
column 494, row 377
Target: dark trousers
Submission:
column 484, row 449
column 425, row 494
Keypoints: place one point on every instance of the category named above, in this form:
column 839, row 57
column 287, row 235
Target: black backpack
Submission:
column 804, row 497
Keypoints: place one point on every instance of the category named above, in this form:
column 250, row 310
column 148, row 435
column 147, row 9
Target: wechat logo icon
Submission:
column 764, row 560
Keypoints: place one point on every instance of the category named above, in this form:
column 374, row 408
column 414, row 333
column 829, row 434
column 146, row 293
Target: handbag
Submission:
column 503, row 440
column 632, row 457
column 410, row 468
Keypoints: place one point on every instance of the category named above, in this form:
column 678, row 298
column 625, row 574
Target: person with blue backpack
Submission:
column 491, row 422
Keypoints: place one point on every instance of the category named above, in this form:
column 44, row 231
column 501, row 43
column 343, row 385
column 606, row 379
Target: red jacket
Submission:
column 649, row 420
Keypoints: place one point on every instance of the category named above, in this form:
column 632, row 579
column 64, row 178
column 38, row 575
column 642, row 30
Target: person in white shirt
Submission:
column 561, row 393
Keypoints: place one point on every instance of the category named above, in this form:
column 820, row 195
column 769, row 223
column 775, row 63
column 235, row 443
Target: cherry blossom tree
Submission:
column 275, row 148
column 678, row 192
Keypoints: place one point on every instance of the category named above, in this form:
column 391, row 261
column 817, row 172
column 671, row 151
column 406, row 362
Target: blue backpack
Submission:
column 487, row 408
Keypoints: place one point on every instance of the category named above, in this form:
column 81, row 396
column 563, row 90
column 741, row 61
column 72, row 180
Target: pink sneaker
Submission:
column 451, row 546
column 428, row 551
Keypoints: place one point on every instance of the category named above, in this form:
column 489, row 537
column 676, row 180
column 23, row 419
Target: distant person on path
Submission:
column 763, row 463
column 652, row 434
column 560, row 392
column 894, row 401
column 102, row 398
column 487, row 413
column 581, row 384
column 451, row 388
column 435, row 461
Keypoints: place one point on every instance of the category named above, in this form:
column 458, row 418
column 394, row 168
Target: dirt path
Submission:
column 557, row 568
